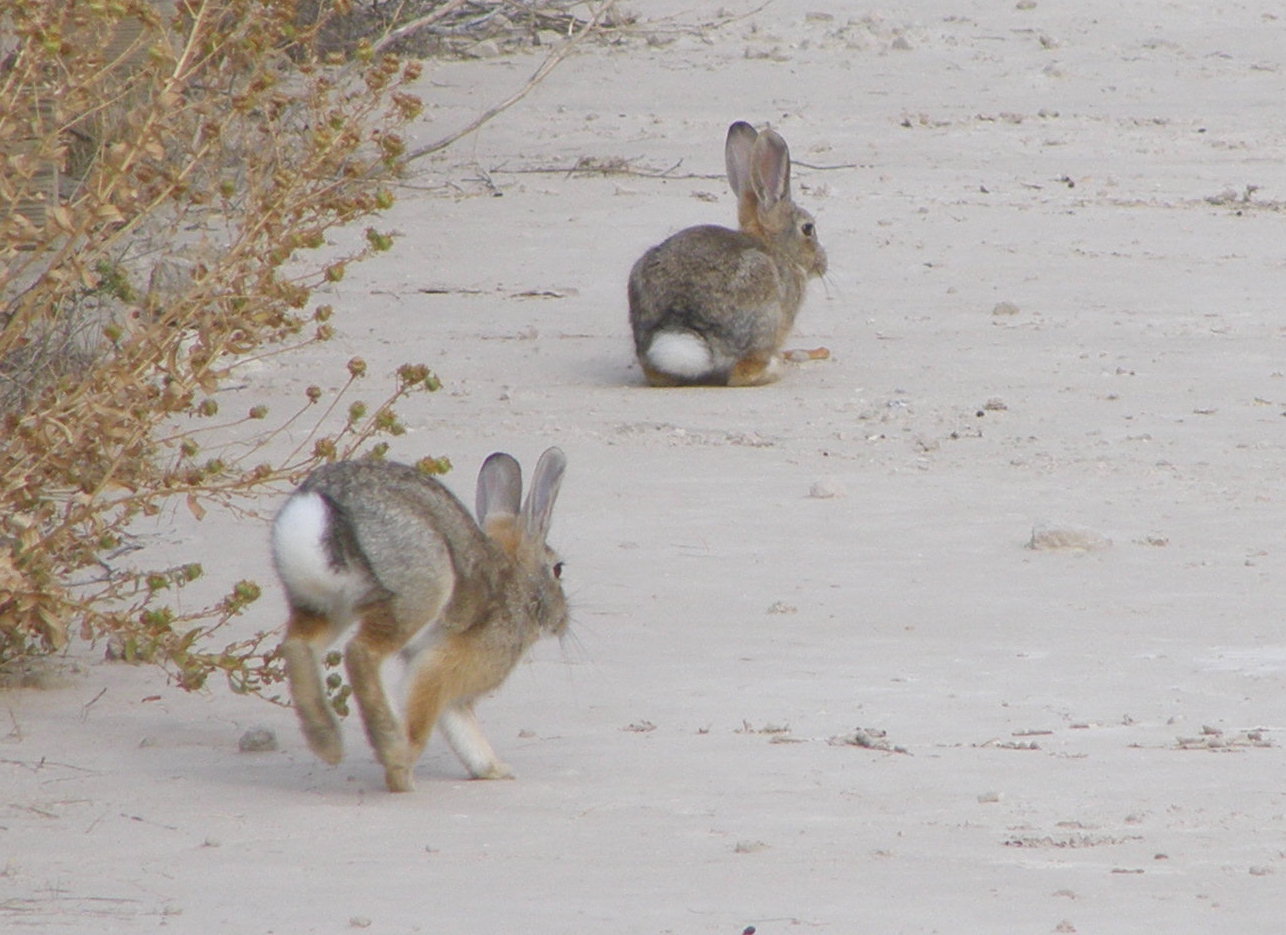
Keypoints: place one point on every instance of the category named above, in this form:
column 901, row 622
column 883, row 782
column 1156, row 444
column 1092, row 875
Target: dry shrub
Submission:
column 167, row 173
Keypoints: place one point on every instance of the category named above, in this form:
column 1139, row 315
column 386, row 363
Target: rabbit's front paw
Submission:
column 495, row 770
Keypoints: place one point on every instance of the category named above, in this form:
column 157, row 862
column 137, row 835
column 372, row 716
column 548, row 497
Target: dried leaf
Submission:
column 62, row 218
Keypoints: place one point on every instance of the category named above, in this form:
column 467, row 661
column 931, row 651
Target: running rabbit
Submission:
column 388, row 547
column 713, row 306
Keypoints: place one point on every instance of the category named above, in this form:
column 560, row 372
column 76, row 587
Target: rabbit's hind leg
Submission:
column 756, row 369
column 378, row 636
column 307, row 634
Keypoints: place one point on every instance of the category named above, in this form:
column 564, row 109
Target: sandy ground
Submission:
column 1055, row 301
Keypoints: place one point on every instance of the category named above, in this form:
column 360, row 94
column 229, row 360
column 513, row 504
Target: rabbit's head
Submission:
column 759, row 173
column 521, row 531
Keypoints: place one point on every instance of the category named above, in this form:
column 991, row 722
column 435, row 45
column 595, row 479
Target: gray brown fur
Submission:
column 739, row 291
column 460, row 600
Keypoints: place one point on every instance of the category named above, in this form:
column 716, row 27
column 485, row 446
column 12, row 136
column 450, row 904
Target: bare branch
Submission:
column 540, row 74
column 427, row 20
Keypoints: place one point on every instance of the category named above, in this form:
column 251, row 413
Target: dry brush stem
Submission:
column 216, row 138
column 419, row 22
column 552, row 61
column 163, row 177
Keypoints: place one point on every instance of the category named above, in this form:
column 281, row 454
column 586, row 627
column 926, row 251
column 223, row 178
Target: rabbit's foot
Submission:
column 399, row 765
column 755, row 371
column 801, row 354
column 494, row 770
column 325, row 741
column 399, row 779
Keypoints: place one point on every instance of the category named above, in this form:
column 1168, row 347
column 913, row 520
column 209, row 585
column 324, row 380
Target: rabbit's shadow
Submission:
column 614, row 372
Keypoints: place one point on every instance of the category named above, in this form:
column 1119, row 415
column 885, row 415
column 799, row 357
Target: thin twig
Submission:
column 698, row 29
column 84, row 709
column 584, row 166
column 581, row 167
column 539, row 75
column 426, row 20
column 838, row 165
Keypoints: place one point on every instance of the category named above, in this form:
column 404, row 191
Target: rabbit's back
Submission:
column 719, row 283
column 394, row 528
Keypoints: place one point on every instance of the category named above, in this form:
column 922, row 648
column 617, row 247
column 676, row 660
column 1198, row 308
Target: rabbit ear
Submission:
column 539, row 508
column 770, row 169
column 736, row 152
column 499, row 487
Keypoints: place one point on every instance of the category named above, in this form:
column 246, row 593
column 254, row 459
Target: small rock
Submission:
column 1005, row 308
column 989, row 798
column 257, row 740
column 749, row 847
column 781, row 607
column 1066, row 539
column 827, row 489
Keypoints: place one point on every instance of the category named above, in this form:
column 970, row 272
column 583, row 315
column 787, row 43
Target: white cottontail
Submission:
column 389, row 548
column 713, row 306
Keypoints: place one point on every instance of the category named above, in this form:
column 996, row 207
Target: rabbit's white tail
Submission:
column 299, row 550
column 680, row 354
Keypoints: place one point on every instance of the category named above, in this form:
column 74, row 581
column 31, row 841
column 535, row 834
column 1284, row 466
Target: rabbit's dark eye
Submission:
column 558, row 569
column 808, row 229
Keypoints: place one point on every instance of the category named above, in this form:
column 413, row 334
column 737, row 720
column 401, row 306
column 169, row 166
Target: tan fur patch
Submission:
column 749, row 218
column 751, row 371
column 381, row 630
column 502, row 529
column 456, row 668
column 306, row 625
